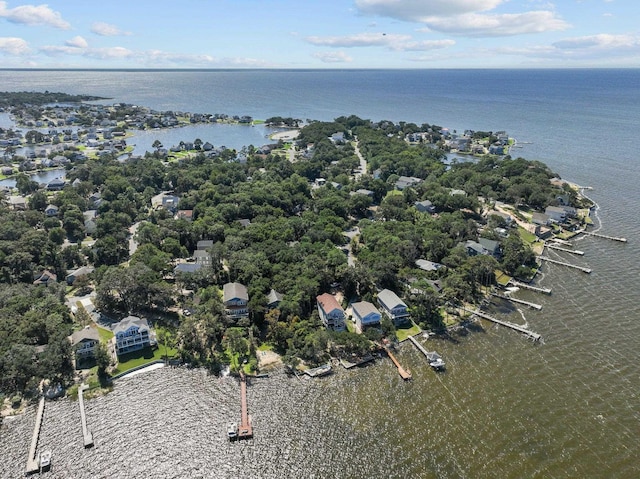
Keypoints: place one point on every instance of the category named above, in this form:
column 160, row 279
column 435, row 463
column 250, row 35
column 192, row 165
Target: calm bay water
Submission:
column 505, row 407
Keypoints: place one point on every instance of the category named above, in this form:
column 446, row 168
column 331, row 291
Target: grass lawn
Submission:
column 351, row 327
column 501, row 278
column 142, row 357
column 105, row 334
column 526, row 236
column 265, row 347
column 403, row 332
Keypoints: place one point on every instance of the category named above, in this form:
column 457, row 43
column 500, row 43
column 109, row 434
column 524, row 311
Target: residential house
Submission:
column 165, row 201
column 184, row 215
column 84, row 343
column 51, row 210
column 425, row 206
column 364, row 192
column 187, row 268
column 393, row 307
column 17, row 202
column 556, row 213
column 202, row 257
column 425, row 265
column 365, row 315
column 492, row 246
column 273, row 299
column 204, row 244
column 56, row 184
column 407, row 181
column 540, row 219
column 330, row 311
column 132, row 334
column 473, row 248
column 45, row 277
column 82, row 271
column 236, row 300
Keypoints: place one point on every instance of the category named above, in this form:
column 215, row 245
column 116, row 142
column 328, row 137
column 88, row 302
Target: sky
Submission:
column 320, row 34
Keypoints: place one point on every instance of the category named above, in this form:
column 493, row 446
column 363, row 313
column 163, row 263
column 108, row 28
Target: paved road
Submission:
column 363, row 162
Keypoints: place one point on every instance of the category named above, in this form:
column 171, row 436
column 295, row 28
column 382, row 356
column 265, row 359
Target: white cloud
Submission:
column 77, row 42
column 33, row 15
column 333, row 57
column 358, row 40
column 480, row 25
column 107, row 30
column 603, row 41
column 465, row 17
column 390, row 41
column 99, row 53
column 416, row 10
column 13, row 46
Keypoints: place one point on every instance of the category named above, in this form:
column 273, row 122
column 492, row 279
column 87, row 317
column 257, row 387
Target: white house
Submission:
column 84, row 342
column 236, row 300
column 365, row 315
column 330, row 311
column 393, row 306
column 133, row 333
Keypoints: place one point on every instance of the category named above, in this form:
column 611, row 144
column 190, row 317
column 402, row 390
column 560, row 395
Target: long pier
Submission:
column 519, row 301
column 246, row 430
column 507, row 324
column 598, row 235
column 33, row 464
column 562, row 263
column 566, row 250
column 404, row 373
column 87, row 436
column 529, row 287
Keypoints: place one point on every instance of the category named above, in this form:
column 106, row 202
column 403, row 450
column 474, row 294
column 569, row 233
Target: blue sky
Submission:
column 319, row 34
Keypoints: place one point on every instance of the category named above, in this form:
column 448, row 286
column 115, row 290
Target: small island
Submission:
column 330, row 245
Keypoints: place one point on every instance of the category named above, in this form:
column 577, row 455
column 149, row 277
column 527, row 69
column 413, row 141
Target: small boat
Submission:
column 232, row 431
column 45, row 460
column 435, row 360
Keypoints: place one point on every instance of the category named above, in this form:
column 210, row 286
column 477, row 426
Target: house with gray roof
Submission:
column 84, row 343
column 393, row 307
column 132, row 334
column 274, row 299
column 365, row 314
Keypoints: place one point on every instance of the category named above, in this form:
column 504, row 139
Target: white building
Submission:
column 133, row 333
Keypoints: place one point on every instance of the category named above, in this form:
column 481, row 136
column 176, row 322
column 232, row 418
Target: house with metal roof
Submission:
column 365, row 314
column 236, row 300
column 393, row 307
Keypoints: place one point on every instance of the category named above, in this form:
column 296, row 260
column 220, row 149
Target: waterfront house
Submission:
column 84, row 343
column 393, row 307
column 56, row 184
column 330, row 311
column 236, row 300
column 365, row 314
column 540, row 219
column 132, row 334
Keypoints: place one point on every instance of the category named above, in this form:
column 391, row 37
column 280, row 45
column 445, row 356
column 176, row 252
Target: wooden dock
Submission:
column 404, row 373
column 427, row 354
column 613, row 238
column 519, row 301
column 566, row 250
column 507, row 324
column 87, row 436
column 562, row 263
column 529, row 287
column 33, row 463
column 246, row 430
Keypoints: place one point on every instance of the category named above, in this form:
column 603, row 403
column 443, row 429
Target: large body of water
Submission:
column 568, row 408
